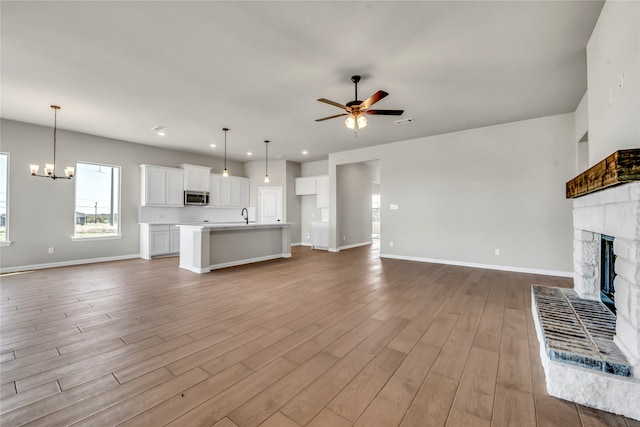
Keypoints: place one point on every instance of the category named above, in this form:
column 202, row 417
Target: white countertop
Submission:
column 231, row 225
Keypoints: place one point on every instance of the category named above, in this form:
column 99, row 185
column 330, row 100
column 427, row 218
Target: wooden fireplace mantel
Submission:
column 618, row 168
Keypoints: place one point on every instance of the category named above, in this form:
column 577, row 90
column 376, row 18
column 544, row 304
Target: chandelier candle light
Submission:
column 266, row 160
column 50, row 168
column 225, row 172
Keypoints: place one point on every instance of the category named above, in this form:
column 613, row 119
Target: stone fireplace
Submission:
column 612, row 212
column 606, row 202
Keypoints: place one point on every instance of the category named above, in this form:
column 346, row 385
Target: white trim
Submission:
column 7, row 242
column 304, row 244
column 355, row 245
column 334, row 250
column 484, row 266
column 248, row 261
column 297, row 244
column 196, row 270
column 67, row 263
column 93, row 239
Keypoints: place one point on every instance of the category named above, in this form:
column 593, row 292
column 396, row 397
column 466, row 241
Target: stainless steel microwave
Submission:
column 198, row 198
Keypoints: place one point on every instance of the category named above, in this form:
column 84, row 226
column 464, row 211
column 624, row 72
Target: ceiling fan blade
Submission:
column 331, row 117
column 373, row 99
column 386, row 112
column 326, row 101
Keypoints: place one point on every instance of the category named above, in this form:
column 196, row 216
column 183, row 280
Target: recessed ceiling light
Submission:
column 249, row 153
column 305, row 152
column 212, row 145
column 159, row 129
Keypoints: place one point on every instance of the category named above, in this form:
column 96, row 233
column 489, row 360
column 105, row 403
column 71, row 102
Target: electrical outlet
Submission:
column 390, row 244
column 344, row 237
column 52, row 250
column 497, row 252
column 307, row 236
column 393, row 207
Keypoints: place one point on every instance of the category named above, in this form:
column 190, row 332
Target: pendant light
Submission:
column 50, row 168
column 266, row 160
column 225, row 172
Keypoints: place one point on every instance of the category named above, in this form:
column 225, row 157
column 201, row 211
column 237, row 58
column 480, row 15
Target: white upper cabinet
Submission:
column 322, row 184
column 161, row 186
column 305, row 185
column 196, row 178
column 214, row 195
column 232, row 191
column 175, row 187
column 244, row 192
column 314, row 185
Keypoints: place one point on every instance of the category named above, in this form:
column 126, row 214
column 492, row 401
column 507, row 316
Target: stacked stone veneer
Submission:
column 614, row 212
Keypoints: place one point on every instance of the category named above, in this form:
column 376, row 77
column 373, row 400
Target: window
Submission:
column 97, row 212
column 4, row 199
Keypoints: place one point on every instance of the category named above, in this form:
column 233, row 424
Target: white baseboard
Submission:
column 334, row 250
column 297, row 244
column 196, row 270
column 479, row 265
column 67, row 263
column 248, row 261
column 305, row 244
column 355, row 245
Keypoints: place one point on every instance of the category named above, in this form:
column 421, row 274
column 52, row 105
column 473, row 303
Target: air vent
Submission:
column 159, row 129
column 404, row 121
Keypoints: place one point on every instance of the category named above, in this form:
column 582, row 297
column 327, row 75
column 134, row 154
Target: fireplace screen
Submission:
column 607, row 273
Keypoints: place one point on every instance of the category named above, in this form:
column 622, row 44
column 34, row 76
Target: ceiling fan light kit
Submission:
column 356, row 111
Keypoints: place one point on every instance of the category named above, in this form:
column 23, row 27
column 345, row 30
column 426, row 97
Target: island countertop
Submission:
column 232, row 225
column 206, row 246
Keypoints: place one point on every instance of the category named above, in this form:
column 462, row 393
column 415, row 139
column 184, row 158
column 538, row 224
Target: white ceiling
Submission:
column 120, row 68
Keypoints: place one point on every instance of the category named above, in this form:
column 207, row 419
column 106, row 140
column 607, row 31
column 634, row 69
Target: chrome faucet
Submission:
column 246, row 218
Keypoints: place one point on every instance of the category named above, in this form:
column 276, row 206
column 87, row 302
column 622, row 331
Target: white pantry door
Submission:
column 270, row 204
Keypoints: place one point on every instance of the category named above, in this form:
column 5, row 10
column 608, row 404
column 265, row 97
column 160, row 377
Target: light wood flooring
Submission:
column 320, row 339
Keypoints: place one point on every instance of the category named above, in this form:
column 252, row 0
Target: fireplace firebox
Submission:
column 607, row 272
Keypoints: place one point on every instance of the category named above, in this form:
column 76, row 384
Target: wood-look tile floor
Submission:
column 320, row 339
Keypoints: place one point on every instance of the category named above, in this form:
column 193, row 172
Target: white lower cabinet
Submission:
column 174, row 239
column 320, row 235
column 158, row 240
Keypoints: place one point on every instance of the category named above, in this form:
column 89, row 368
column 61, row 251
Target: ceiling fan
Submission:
column 357, row 110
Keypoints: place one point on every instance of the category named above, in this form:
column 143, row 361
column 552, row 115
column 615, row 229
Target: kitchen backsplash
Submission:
column 166, row 215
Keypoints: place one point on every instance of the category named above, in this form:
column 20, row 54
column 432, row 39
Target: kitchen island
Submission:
column 210, row 246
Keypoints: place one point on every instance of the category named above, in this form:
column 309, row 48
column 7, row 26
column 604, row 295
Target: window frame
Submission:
column 7, row 241
column 118, row 234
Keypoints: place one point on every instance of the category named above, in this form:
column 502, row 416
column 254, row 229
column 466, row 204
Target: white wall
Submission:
column 464, row 194
column 354, row 186
column 614, row 49
column 41, row 211
column 582, row 135
column 308, row 204
column 282, row 173
column 293, row 202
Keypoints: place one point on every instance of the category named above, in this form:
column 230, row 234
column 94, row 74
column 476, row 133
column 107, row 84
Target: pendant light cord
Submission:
column 266, row 157
column 55, row 128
